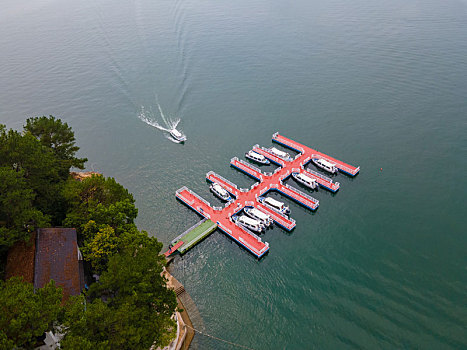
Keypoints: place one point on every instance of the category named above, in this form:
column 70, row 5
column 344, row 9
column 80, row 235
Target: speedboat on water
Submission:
column 177, row 135
column 280, row 154
column 277, row 206
column 249, row 223
column 220, row 192
column 257, row 157
column 325, row 165
column 257, row 214
column 305, row 180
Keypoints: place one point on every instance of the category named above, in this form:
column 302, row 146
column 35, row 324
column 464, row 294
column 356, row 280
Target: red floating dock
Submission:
column 267, row 181
column 247, row 168
column 307, row 152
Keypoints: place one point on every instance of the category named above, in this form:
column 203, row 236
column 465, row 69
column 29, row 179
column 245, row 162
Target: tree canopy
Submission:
column 102, row 211
column 58, row 137
column 130, row 306
column 17, row 213
column 34, row 169
column 25, row 314
column 102, row 200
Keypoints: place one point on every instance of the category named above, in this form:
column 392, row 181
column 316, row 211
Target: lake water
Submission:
column 379, row 84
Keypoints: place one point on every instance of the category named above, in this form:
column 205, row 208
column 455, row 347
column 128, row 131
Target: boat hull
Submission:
column 334, row 170
column 179, row 139
column 313, row 186
column 260, row 228
column 285, row 211
column 265, row 161
column 264, row 222
column 218, row 195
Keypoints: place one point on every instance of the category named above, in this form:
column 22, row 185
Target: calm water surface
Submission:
column 380, row 84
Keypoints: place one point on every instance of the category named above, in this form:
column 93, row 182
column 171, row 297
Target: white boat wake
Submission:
column 169, row 125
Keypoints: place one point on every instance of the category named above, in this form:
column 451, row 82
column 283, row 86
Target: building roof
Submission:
column 56, row 259
column 20, row 259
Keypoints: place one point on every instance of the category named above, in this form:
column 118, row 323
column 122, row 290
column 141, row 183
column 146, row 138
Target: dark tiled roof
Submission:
column 57, row 259
column 20, row 260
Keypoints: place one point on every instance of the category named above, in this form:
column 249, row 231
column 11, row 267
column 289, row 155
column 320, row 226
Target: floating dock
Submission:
column 221, row 217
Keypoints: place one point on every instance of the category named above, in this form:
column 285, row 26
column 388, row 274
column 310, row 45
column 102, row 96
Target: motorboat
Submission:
column 275, row 205
column 280, row 154
column 257, row 157
column 325, row 165
column 257, row 214
column 177, row 135
column 249, row 223
column 305, row 180
column 220, row 192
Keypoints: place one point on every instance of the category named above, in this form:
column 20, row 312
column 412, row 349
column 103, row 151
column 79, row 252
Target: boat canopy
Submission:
column 220, row 189
column 279, row 152
column 176, row 133
column 274, row 203
column 259, row 214
column 249, row 221
column 325, row 163
column 256, row 155
column 306, row 178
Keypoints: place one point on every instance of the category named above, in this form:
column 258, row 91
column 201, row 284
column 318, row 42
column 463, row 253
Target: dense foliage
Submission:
column 130, row 306
column 35, row 166
column 17, row 212
column 26, row 314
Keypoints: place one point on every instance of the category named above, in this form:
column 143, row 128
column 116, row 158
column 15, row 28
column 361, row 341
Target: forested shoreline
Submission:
column 130, row 307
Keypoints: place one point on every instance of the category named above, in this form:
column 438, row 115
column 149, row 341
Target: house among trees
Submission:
column 51, row 254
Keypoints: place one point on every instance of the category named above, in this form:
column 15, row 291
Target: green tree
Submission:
column 60, row 138
column 26, row 314
column 101, row 210
column 100, row 243
column 18, row 217
column 102, row 200
column 131, row 307
column 39, row 166
column 87, row 324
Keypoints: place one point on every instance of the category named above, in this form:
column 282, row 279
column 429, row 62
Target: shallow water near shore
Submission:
column 381, row 85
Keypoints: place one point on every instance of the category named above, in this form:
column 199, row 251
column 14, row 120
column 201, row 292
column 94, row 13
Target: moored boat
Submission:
column 249, row 223
column 257, row 157
column 305, row 180
column 280, row 154
column 220, row 192
column 275, row 205
column 258, row 215
column 325, row 165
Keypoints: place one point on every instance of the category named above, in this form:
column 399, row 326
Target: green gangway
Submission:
column 194, row 235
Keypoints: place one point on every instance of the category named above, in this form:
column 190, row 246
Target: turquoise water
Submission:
column 381, row 264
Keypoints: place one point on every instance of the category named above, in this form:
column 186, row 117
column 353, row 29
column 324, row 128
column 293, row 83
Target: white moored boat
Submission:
column 177, row 135
column 280, row 154
column 220, row 192
column 274, row 205
column 259, row 215
column 324, row 164
column 249, row 223
column 305, row 180
column 257, row 157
